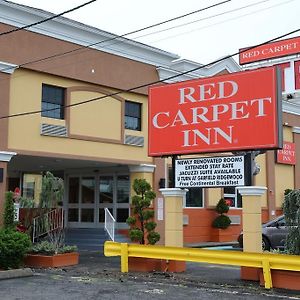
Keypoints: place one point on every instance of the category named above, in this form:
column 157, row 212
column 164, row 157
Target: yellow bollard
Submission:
column 267, row 274
column 124, row 257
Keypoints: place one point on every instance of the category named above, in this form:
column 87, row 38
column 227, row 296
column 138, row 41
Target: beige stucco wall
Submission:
column 24, row 132
column 98, row 119
column 213, row 196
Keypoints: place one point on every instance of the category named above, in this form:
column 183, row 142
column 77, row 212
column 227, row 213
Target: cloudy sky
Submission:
column 202, row 37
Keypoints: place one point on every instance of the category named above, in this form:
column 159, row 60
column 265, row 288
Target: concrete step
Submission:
column 91, row 239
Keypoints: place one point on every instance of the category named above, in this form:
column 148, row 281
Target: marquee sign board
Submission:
column 233, row 112
column 271, row 50
column 287, row 155
column 211, row 172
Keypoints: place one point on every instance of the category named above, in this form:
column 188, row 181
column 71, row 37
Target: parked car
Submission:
column 274, row 234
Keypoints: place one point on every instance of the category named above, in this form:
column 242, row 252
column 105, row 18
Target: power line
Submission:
column 192, row 22
column 218, row 23
column 203, row 19
column 117, row 37
column 154, row 82
column 108, row 46
column 47, row 19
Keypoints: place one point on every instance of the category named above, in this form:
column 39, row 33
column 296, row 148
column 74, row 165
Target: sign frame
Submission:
column 290, row 159
column 256, row 52
column 163, row 103
column 204, row 169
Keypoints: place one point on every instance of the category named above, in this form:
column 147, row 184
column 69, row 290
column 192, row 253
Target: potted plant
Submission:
column 142, row 226
column 51, row 251
column 221, row 223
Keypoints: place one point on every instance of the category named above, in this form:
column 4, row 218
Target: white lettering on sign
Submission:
column 210, row 172
column 213, row 113
column 287, row 155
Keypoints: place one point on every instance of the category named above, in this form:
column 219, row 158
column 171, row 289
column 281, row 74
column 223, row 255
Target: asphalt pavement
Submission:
column 99, row 277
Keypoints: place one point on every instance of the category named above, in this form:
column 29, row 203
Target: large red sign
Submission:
column 287, row 155
column 232, row 112
column 271, row 50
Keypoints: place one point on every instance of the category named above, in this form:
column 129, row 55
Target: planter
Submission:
column 141, row 264
column 221, row 235
column 250, row 273
column 58, row 260
column 283, row 279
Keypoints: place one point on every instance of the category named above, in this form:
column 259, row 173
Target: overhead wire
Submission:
column 202, row 19
column 218, row 23
column 188, row 23
column 47, row 19
column 154, row 82
column 114, row 38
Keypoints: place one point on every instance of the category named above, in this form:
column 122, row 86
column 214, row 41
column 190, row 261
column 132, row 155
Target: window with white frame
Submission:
column 233, row 197
column 194, row 198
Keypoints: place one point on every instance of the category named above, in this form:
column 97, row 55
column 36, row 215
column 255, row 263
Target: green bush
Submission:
column 9, row 210
column 222, row 222
column 141, row 225
column 222, row 207
column 49, row 249
column 13, row 247
column 291, row 210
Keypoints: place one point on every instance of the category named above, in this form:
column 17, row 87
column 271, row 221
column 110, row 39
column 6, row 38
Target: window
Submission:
column 133, row 115
column 194, row 197
column 32, row 186
column 53, row 98
column 232, row 195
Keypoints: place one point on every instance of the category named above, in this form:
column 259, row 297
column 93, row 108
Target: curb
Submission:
column 17, row 273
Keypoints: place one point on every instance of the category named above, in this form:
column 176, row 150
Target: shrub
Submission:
column 9, row 210
column 141, row 224
column 13, row 247
column 222, row 207
column 222, row 221
column 49, row 249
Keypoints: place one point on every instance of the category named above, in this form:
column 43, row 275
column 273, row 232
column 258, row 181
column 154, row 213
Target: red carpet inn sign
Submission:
column 238, row 111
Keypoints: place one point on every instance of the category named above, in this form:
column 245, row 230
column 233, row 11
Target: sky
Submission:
column 202, row 37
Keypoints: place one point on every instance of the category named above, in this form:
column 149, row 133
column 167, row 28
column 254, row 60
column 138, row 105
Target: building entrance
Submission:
column 89, row 195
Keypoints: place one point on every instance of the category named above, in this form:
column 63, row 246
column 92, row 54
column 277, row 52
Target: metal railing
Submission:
column 257, row 260
column 109, row 224
column 47, row 222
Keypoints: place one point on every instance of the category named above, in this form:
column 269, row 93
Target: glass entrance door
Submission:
column 88, row 196
column 81, row 205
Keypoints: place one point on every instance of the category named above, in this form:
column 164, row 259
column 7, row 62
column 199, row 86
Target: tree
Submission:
column 52, row 191
column 222, row 221
column 291, row 210
column 9, row 210
column 142, row 228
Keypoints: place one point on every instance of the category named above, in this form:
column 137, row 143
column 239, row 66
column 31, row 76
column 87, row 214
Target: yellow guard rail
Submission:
column 236, row 258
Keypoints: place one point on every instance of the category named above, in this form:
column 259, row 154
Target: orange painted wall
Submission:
column 199, row 227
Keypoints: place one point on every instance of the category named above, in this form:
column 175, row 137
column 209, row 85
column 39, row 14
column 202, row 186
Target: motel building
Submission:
column 96, row 139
